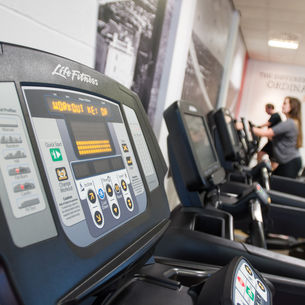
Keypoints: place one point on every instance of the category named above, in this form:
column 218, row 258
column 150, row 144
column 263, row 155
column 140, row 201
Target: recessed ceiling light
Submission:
column 286, row 44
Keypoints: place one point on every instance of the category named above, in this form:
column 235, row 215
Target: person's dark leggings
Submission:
column 289, row 169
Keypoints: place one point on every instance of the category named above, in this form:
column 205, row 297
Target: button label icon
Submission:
column 61, row 173
column 125, row 148
column 129, row 161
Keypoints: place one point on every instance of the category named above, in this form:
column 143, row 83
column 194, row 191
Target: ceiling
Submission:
column 263, row 19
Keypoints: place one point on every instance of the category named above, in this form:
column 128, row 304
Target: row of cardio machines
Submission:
column 84, row 217
column 218, row 192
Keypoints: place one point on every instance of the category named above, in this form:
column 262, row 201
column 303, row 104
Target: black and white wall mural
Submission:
column 207, row 53
column 131, row 36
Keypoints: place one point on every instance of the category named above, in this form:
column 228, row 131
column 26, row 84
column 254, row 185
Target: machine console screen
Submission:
column 232, row 131
column 201, row 142
column 88, row 159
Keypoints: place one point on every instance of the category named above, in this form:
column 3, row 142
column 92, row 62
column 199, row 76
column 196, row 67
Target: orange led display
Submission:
column 93, row 147
column 56, row 105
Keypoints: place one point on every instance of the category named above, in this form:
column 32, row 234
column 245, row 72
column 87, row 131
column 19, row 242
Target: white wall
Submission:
column 268, row 82
column 63, row 27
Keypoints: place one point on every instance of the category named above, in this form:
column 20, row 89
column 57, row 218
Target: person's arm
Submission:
column 267, row 124
column 266, row 132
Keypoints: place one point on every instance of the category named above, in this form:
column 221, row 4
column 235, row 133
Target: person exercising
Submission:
column 287, row 139
column 274, row 119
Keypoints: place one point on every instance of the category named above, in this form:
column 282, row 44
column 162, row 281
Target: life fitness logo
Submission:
column 66, row 73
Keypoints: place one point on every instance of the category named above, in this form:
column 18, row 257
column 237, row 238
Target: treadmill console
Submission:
column 236, row 284
column 249, row 287
column 230, row 143
column 191, row 143
column 89, row 161
column 81, row 178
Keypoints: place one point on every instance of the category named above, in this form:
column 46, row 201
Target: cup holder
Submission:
column 187, row 277
column 210, row 225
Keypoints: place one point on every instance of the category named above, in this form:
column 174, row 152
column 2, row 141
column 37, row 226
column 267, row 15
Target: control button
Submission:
column 101, row 193
column 115, row 210
column 109, row 190
column 125, row 148
column 261, row 286
column 61, row 173
column 124, row 185
column 129, row 161
column 117, row 188
column 98, row 217
column 24, row 187
column 241, row 282
column 248, row 269
column 19, row 171
column 250, row 293
column 55, row 154
column 91, row 196
column 129, row 203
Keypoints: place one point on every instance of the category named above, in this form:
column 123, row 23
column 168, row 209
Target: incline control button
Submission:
column 115, row 209
column 129, row 203
column 91, row 196
column 109, row 190
column 124, row 185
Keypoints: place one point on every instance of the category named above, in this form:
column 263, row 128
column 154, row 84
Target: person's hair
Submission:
column 270, row 106
column 295, row 113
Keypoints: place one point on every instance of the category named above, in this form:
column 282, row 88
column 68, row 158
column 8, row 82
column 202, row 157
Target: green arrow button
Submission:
column 56, row 154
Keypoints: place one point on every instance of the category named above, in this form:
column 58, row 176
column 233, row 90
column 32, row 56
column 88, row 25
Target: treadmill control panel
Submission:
column 89, row 161
column 87, row 156
column 248, row 288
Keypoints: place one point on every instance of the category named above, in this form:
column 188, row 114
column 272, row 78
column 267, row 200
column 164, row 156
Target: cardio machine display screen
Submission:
column 248, row 131
column 231, row 130
column 88, row 159
column 200, row 142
